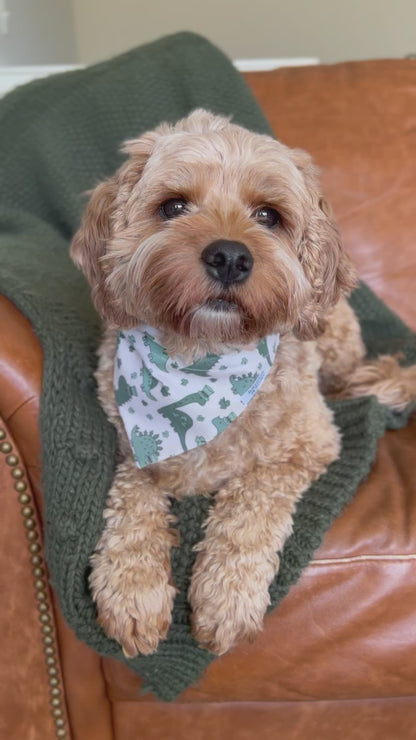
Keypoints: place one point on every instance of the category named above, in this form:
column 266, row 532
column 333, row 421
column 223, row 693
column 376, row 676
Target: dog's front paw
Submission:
column 134, row 603
column 228, row 601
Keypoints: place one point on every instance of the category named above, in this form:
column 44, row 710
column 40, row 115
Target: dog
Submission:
column 213, row 257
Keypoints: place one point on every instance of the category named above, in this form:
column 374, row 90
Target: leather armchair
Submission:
column 337, row 658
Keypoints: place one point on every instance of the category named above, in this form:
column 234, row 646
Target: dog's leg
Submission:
column 394, row 386
column 247, row 527
column 341, row 348
column 345, row 373
column 130, row 579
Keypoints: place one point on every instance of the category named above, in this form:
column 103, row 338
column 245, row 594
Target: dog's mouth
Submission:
column 221, row 305
column 215, row 320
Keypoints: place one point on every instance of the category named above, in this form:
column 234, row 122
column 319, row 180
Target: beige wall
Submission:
column 332, row 30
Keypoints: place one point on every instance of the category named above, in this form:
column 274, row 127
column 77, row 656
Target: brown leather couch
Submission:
column 337, row 659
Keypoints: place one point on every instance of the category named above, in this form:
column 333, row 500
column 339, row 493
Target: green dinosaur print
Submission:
column 120, row 336
column 264, row 350
column 240, row 384
column 156, row 354
column 224, row 403
column 201, row 367
column 180, row 421
column 148, row 382
column 222, row 422
column 146, row 446
column 124, row 391
column 132, row 342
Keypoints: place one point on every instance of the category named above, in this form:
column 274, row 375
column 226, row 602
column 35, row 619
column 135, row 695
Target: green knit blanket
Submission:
column 58, row 138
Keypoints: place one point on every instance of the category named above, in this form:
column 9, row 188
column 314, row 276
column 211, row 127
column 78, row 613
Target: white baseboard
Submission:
column 265, row 65
column 11, row 77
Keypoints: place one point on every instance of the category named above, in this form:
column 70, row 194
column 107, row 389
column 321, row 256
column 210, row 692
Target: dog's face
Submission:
column 212, row 233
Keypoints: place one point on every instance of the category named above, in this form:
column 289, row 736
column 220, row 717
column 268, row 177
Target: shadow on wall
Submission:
column 37, row 32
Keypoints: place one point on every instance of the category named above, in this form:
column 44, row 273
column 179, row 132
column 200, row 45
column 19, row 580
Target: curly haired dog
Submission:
column 217, row 237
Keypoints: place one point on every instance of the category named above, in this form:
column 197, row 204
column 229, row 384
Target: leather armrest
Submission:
column 31, row 698
column 21, row 381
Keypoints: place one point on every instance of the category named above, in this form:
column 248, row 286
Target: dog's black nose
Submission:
column 228, row 262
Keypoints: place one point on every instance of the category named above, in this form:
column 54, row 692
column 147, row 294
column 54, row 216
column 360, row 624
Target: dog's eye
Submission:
column 172, row 208
column 266, row 216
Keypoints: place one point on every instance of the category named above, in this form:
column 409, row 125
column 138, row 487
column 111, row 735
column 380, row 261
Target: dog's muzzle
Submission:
column 227, row 262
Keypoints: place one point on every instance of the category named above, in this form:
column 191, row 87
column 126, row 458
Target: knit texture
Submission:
column 58, row 138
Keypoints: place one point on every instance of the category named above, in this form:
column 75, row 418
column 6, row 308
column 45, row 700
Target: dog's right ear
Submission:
column 103, row 220
column 89, row 243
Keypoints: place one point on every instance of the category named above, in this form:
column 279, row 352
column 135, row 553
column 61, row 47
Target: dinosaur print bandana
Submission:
column 168, row 407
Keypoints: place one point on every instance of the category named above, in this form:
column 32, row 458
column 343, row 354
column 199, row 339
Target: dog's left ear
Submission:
column 327, row 267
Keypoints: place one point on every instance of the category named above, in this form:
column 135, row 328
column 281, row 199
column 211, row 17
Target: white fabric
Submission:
column 169, row 407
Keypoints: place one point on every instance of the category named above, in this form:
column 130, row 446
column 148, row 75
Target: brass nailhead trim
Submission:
column 12, row 460
column 35, row 552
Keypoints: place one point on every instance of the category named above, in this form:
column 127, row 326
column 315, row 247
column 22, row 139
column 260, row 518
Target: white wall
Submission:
column 332, row 30
column 39, row 32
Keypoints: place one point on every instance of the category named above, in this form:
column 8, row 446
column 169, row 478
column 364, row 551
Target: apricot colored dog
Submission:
column 209, row 240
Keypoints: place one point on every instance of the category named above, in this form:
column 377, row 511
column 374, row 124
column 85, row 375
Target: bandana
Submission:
column 168, row 407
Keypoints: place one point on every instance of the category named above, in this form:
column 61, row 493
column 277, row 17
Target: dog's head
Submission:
column 213, row 233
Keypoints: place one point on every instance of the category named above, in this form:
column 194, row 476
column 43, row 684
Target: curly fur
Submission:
column 142, row 268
